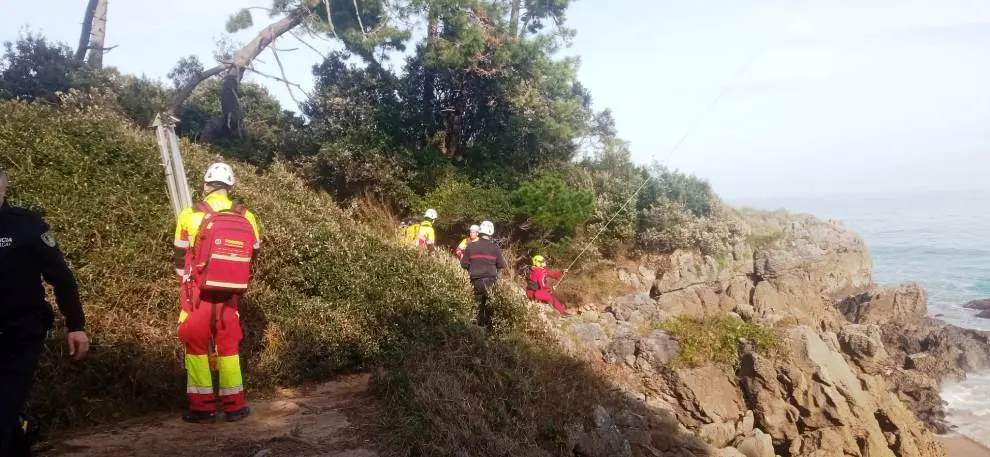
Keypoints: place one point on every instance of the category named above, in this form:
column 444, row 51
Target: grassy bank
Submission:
column 329, row 296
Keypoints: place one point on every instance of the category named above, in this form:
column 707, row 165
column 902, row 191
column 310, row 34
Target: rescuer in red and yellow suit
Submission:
column 196, row 327
column 537, row 287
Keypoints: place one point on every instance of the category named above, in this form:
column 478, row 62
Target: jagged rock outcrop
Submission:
column 907, row 304
column 983, row 305
column 627, row 434
column 862, row 368
column 923, row 352
column 816, row 400
column 791, row 266
column 864, row 345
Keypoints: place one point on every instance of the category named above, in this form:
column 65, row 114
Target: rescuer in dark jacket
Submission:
column 28, row 254
column 483, row 260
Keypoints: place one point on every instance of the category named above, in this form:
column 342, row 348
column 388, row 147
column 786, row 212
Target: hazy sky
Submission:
column 842, row 96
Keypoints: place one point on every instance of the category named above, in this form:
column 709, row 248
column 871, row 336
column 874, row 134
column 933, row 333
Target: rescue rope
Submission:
column 691, row 128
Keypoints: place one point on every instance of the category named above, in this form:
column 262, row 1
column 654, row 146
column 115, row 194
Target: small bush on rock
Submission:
column 715, row 339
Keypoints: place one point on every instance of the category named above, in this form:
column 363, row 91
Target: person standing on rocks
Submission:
column 28, row 254
column 483, row 260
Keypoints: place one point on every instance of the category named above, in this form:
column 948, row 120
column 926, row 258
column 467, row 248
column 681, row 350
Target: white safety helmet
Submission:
column 220, row 172
column 430, row 214
column 487, row 228
column 474, row 229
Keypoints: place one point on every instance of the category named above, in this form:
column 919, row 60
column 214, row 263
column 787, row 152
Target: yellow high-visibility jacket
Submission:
column 409, row 234
column 425, row 235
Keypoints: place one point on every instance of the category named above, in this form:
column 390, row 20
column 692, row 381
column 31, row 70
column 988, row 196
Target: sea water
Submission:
column 940, row 240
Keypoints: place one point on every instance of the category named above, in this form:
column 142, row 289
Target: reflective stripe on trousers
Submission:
column 195, row 332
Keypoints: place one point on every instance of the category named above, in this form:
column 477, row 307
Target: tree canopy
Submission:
column 480, row 117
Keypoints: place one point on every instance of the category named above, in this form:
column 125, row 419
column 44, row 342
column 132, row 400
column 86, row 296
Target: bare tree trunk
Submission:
column 98, row 34
column 430, row 73
column 514, row 18
column 87, row 27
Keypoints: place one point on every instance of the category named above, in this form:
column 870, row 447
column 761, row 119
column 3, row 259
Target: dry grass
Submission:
column 513, row 394
column 592, row 284
column 375, row 214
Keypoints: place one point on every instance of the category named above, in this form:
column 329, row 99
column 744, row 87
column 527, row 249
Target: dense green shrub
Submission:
column 670, row 225
column 691, row 192
column 671, row 210
column 140, row 99
column 461, row 203
column 615, row 180
column 33, row 67
column 552, row 206
column 348, row 171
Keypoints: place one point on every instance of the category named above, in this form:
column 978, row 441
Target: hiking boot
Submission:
column 200, row 417
column 235, row 416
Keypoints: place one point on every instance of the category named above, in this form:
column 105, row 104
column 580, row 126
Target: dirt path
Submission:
column 321, row 420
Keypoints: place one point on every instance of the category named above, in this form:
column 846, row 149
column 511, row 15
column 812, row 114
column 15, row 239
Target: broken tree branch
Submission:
column 328, row 3
column 186, row 90
column 247, row 53
column 285, row 78
column 276, row 78
column 288, row 85
column 357, row 12
column 317, row 51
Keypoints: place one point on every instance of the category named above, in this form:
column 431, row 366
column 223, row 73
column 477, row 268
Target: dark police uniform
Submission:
column 28, row 253
column 483, row 260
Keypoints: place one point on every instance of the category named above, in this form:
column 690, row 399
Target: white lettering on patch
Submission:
column 6, row 242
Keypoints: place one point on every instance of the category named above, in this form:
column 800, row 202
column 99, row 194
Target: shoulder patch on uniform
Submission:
column 48, row 239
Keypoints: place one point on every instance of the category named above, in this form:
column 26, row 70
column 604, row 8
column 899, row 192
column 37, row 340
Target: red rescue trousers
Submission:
column 546, row 297
column 195, row 330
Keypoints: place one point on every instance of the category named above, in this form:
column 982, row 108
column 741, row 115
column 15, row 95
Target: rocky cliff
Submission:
column 855, row 369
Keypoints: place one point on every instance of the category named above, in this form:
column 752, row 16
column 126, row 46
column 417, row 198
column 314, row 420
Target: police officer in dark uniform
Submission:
column 28, row 254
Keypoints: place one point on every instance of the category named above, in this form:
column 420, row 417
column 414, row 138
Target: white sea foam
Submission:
column 969, row 406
